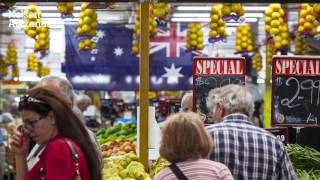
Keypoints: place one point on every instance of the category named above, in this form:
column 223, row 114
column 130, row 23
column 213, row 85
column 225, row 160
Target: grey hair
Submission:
column 234, row 98
column 64, row 85
column 83, row 98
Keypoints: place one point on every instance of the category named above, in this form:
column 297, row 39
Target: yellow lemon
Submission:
column 274, row 31
column 221, row 30
column 267, row 28
column 250, row 48
column 284, row 35
column 221, row 22
column 244, row 38
column 79, row 31
column 275, row 23
column 42, row 43
column 303, row 13
column 213, row 34
column 284, row 42
column 244, row 45
column 267, row 19
column 236, row 7
column 135, row 50
column 214, row 10
column 81, row 45
column 200, row 46
column 226, row 10
column 32, row 33
column 193, row 36
column 93, row 45
column 310, row 18
column 238, row 48
column 241, row 12
column 194, row 43
column 275, row 15
column 277, row 45
column 275, row 6
column 281, row 12
column 87, row 20
column 316, row 9
column 302, row 21
column 214, row 18
column 86, row 28
column 268, row 12
column 199, row 33
column 313, row 31
column 301, row 29
column 315, row 23
column 93, row 25
column 200, row 39
column 84, row 6
column 307, row 26
column 42, row 35
column 213, row 26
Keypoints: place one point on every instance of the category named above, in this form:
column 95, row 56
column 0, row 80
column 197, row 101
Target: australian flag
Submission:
column 112, row 66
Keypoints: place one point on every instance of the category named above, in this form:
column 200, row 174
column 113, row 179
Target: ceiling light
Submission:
column 190, row 19
column 48, row 8
column 206, row 15
column 255, row 8
column 193, row 8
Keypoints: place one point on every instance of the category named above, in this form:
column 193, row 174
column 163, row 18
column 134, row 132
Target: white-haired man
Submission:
column 249, row 152
column 187, row 102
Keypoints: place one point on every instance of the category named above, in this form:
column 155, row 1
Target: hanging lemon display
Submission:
column 232, row 11
column 244, row 39
column 194, row 37
column 217, row 25
column 65, row 9
column 307, row 21
column 11, row 56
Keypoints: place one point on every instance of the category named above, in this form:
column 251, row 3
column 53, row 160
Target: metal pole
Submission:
column 144, row 83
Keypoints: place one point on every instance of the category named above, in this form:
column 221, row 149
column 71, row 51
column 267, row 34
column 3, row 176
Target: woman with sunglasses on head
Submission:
column 49, row 121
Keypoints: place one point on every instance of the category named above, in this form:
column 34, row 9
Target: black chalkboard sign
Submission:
column 214, row 72
column 296, row 90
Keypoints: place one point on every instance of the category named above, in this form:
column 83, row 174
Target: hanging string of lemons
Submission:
column 257, row 61
column 32, row 18
column 42, row 70
column 316, row 11
column 87, row 27
column 232, row 11
column 32, row 62
column 273, row 19
column 42, row 43
column 300, row 45
column 65, row 9
column 307, row 21
column 282, row 39
column 244, row 39
column 3, row 69
column 137, row 30
column 11, row 56
column 194, row 37
column 15, row 72
column 161, row 10
column 217, row 25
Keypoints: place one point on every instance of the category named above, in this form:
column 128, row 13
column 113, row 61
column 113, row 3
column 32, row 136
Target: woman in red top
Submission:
column 49, row 121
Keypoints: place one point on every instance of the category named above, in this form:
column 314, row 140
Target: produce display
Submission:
column 118, row 132
column 282, row 40
column 87, row 27
column 117, row 147
column 217, row 25
column 124, row 167
column 244, row 39
column 270, row 52
column 42, row 70
column 194, row 37
column 306, row 161
column 232, row 11
column 158, row 165
column 42, row 40
column 307, row 21
column 11, row 56
column 65, row 9
column 316, row 11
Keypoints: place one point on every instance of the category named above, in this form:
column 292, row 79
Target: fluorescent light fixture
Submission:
column 202, row 19
column 205, row 15
column 190, row 19
column 208, row 8
column 231, row 24
column 259, row 15
column 194, row 8
column 255, row 8
column 48, row 8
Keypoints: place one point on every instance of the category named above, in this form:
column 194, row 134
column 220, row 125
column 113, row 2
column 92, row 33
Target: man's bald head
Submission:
column 58, row 84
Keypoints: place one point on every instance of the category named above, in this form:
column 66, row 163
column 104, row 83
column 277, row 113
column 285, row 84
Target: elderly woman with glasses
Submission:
column 49, row 121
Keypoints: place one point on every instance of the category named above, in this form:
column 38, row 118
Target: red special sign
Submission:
column 296, row 65
column 219, row 66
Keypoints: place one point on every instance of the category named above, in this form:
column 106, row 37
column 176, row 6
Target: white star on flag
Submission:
column 118, row 51
column 172, row 74
column 93, row 58
column 100, row 34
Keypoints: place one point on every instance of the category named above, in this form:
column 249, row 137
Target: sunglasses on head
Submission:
column 26, row 99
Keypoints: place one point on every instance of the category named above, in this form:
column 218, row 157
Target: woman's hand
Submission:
column 20, row 143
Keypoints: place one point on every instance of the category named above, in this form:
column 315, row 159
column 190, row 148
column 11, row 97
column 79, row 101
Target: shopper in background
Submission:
column 187, row 102
column 49, row 121
column 186, row 144
column 250, row 152
column 63, row 86
column 83, row 101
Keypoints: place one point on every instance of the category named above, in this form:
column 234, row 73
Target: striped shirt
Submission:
column 201, row 169
column 248, row 151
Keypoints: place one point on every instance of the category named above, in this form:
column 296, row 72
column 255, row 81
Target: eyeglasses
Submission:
column 30, row 124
